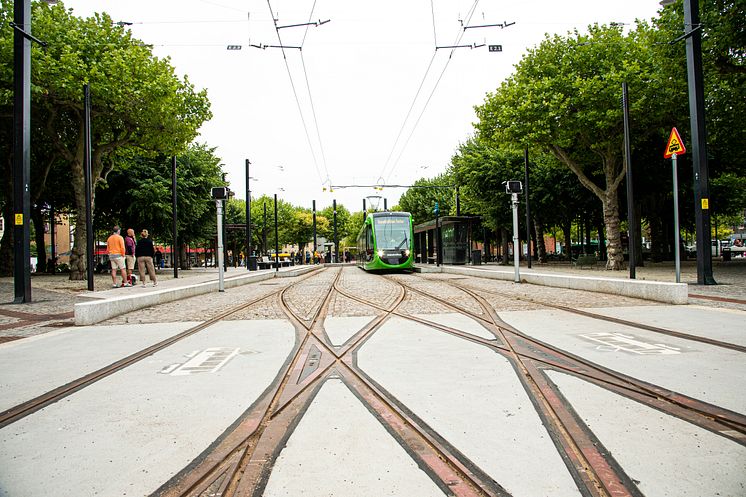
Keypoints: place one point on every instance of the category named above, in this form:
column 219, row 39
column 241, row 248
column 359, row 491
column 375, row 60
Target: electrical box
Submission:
column 220, row 192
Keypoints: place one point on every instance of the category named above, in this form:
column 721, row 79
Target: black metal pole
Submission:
column 248, row 216
column 88, row 184
column 314, row 226
column 264, row 229
column 458, row 201
column 225, row 236
column 385, row 204
column 22, row 153
column 528, row 209
column 277, row 240
column 631, row 222
column 699, row 142
column 175, row 246
column 336, row 240
column 437, row 238
column 365, row 211
column 52, row 238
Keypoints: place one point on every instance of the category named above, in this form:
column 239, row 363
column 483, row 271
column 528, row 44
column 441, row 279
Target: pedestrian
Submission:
column 158, row 259
column 115, row 249
column 129, row 254
column 145, row 253
column 308, row 257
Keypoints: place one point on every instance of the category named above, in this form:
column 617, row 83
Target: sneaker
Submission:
column 115, row 286
column 127, row 284
column 155, row 284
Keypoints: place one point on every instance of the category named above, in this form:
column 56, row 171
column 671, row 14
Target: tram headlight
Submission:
column 380, row 253
column 406, row 252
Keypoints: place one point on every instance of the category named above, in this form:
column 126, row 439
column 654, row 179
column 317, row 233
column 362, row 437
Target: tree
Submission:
column 137, row 100
column 565, row 98
column 420, row 200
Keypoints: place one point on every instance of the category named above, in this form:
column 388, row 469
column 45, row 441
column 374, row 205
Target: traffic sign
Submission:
column 496, row 48
column 675, row 145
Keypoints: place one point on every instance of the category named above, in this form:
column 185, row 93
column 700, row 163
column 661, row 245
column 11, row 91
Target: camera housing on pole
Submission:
column 513, row 188
column 220, row 194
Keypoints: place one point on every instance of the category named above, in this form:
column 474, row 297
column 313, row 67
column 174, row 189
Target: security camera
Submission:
column 513, row 186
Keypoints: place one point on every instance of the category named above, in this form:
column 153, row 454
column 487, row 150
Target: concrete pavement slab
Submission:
column 666, row 455
column 34, row 366
column 473, row 398
column 340, row 449
column 705, row 372
column 726, row 325
column 132, row 431
column 339, row 329
column 460, row 322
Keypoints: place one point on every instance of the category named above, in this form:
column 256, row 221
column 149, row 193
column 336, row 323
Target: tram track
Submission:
column 532, row 357
column 713, row 418
column 244, row 469
column 20, row 411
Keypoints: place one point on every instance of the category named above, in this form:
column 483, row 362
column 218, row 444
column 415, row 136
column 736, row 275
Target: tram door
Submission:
column 368, row 244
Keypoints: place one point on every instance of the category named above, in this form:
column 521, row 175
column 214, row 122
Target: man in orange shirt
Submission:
column 115, row 249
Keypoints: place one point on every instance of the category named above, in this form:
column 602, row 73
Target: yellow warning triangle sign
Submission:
column 675, row 145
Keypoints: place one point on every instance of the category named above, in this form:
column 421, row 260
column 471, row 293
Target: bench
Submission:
column 589, row 260
column 265, row 262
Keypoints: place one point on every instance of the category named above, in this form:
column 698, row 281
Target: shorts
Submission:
column 117, row 262
column 130, row 260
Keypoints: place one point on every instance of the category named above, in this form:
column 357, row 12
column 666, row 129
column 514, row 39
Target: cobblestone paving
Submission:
column 305, row 298
column 436, row 288
column 201, row 307
column 369, row 286
column 341, row 306
column 418, row 304
column 45, row 302
column 556, row 296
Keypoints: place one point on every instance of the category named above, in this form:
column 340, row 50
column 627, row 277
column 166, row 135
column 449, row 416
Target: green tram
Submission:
column 385, row 241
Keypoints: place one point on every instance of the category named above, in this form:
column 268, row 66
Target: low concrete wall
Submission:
column 93, row 312
column 659, row 291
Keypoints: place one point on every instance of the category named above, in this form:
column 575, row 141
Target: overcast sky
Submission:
column 363, row 68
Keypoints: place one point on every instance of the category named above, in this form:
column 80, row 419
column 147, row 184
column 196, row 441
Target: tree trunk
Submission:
column 6, row 246
column 567, row 233
column 615, row 253
column 504, row 241
column 183, row 259
column 78, row 257
column 541, row 248
column 41, row 249
column 601, row 241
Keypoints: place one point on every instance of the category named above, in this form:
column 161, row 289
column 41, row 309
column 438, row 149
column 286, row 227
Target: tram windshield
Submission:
column 392, row 232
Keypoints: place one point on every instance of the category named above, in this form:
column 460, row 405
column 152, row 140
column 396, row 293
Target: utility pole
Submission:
column 336, row 240
column 248, row 217
column 277, row 241
column 693, row 33
column 21, row 151
column 175, row 246
column 365, row 211
column 314, row 226
column 631, row 221
column 528, row 211
column 88, row 180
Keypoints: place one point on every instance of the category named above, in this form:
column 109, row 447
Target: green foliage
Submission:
column 138, row 195
column 420, row 200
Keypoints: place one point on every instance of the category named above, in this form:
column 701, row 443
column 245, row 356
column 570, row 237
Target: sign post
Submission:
column 675, row 146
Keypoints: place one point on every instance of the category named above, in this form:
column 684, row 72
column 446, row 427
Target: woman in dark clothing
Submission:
column 144, row 253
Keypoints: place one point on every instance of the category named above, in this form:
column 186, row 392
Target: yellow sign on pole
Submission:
column 675, row 145
column 19, row 219
column 705, row 203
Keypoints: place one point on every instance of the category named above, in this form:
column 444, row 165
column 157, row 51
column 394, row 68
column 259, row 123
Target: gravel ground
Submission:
column 55, row 295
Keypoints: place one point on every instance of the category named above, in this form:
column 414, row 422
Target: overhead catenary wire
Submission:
column 414, row 100
column 297, row 101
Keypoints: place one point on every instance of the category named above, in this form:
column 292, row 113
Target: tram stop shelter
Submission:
column 454, row 237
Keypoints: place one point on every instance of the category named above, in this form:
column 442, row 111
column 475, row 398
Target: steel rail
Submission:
column 222, row 464
column 611, row 319
column 31, row 406
column 732, row 424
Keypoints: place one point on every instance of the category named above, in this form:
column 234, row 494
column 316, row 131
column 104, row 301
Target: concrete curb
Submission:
column 659, row 291
column 88, row 313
